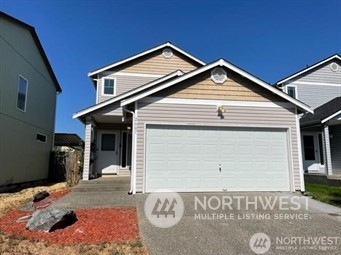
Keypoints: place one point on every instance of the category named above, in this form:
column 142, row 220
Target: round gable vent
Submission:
column 334, row 67
column 218, row 75
column 167, row 53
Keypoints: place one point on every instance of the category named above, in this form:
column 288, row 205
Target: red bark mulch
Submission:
column 93, row 226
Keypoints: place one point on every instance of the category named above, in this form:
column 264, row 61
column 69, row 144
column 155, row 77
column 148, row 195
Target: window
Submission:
column 108, row 142
column 109, row 86
column 41, row 138
column 309, row 147
column 291, row 91
column 22, row 93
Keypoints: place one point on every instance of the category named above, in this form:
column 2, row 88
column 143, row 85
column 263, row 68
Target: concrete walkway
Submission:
column 99, row 193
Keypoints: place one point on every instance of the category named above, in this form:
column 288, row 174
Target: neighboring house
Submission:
column 28, row 90
column 193, row 126
column 319, row 86
column 68, row 142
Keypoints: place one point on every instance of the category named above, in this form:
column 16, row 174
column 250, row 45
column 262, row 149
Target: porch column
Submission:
column 328, row 159
column 87, row 150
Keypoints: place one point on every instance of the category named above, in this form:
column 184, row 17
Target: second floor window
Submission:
column 108, row 86
column 291, row 91
column 22, row 93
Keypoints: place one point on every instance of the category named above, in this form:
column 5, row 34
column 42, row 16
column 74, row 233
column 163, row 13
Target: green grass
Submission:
column 325, row 193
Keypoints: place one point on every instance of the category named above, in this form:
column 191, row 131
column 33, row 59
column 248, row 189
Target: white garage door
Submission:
column 187, row 158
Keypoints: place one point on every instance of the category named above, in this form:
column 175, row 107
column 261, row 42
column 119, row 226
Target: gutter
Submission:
column 133, row 154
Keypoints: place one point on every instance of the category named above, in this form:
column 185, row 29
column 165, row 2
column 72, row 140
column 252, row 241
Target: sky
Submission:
column 270, row 39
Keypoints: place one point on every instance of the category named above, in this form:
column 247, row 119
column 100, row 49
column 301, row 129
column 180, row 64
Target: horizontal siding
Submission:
column 335, row 147
column 234, row 88
column 317, row 95
column 156, row 63
column 110, row 110
column 123, row 84
column 207, row 115
column 22, row 158
column 323, row 74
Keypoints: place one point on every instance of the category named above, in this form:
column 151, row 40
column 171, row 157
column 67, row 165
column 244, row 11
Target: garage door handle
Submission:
column 219, row 168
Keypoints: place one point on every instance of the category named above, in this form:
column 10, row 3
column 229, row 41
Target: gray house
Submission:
column 28, row 90
column 171, row 121
column 319, row 86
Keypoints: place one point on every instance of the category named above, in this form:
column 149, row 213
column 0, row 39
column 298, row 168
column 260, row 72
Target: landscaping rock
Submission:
column 29, row 206
column 40, row 196
column 50, row 219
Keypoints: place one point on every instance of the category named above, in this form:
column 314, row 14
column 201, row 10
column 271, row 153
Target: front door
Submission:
column 311, row 155
column 107, row 162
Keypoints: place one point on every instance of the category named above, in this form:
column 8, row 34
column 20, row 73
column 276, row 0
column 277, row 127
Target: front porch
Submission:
column 108, row 145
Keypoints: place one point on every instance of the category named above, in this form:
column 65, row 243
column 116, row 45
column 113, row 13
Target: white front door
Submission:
column 107, row 161
column 311, row 152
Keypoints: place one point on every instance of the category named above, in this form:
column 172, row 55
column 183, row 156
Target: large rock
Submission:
column 40, row 195
column 50, row 219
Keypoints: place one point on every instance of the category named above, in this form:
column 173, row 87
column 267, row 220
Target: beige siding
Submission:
column 207, row 115
column 124, row 83
column 155, row 63
column 234, row 88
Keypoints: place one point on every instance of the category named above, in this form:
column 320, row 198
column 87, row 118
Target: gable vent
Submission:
column 218, row 75
column 167, row 53
column 334, row 67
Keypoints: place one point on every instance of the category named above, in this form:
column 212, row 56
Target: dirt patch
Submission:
column 97, row 231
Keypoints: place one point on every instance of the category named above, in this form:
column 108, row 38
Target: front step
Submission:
column 105, row 184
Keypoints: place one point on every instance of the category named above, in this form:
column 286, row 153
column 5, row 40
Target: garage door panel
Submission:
column 187, row 158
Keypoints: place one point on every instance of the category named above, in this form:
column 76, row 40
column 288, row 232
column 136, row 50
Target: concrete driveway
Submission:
column 286, row 224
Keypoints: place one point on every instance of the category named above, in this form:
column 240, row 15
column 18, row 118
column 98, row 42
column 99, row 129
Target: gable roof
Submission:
column 39, row 46
column 224, row 63
column 141, row 54
column 323, row 113
column 127, row 94
column 307, row 69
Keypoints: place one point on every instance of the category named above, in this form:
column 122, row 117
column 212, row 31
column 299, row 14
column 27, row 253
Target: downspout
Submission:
column 133, row 153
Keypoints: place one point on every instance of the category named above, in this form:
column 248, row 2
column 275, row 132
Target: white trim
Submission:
column 168, row 44
column 292, row 86
column 331, row 117
column 133, row 74
column 114, row 88
column 162, row 100
column 290, row 160
column 97, row 92
column 308, row 69
column 299, row 145
column 129, row 93
column 220, row 62
column 314, row 83
column 135, row 125
column 26, row 92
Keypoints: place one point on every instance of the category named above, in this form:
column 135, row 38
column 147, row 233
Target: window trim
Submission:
column 103, row 81
column 39, row 141
column 26, row 93
column 292, row 86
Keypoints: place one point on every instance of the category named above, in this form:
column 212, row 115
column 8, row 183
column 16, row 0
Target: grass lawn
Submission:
column 325, row 193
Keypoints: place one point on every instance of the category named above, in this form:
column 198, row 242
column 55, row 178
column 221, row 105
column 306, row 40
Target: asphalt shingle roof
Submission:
column 322, row 112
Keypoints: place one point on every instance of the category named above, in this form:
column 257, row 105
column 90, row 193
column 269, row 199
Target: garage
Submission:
column 201, row 158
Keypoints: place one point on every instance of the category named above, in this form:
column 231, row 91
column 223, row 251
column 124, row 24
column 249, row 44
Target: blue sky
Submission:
column 270, row 39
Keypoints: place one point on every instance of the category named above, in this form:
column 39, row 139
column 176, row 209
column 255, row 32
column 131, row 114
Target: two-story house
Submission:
column 28, row 91
column 319, row 86
column 171, row 121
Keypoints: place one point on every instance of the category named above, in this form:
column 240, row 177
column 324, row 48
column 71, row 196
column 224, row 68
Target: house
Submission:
column 191, row 126
column 28, row 91
column 67, row 142
column 319, row 86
